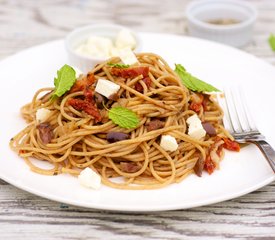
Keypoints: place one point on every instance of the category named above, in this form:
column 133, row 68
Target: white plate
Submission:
column 240, row 173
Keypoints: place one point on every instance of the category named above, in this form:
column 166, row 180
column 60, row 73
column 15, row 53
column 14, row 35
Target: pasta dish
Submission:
column 137, row 126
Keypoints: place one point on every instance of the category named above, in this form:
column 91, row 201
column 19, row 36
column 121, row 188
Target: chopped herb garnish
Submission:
column 192, row 82
column 123, row 117
column 118, row 65
column 65, row 79
column 271, row 41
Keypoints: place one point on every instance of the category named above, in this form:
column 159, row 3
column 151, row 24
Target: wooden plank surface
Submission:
column 24, row 23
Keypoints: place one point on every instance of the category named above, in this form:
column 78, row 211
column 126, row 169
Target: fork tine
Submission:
column 226, row 119
column 244, row 129
column 239, row 104
column 248, row 118
column 237, row 114
column 232, row 111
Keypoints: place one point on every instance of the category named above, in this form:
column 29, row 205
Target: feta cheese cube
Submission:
column 168, row 143
column 42, row 114
column 125, row 39
column 96, row 46
column 78, row 72
column 196, row 132
column 106, row 87
column 114, row 52
column 127, row 56
column 195, row 129
column 89, row 178
column 194, row 119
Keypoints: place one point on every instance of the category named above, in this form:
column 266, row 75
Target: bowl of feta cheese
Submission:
column 89, row 45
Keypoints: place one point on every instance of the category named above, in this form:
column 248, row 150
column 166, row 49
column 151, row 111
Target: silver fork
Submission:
column 238, row 121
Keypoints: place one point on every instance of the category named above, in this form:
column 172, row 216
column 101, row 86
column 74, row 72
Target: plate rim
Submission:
column 177, row 206
column 142, row 208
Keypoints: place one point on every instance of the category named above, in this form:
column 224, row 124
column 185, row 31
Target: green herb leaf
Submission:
column 64, row 81
column 123, row 117
column 272, row 41
column 192, row 82
column 118, row 65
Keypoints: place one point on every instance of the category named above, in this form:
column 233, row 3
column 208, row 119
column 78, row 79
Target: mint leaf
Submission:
column 118, row 65
column 271, row 41
column 123, row 117
column 192, row 82
column 64, row 81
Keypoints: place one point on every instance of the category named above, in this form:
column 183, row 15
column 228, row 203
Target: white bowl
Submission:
column 79, row 35
column 198, row 14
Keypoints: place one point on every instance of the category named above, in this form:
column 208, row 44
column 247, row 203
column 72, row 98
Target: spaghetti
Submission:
column 75, row 134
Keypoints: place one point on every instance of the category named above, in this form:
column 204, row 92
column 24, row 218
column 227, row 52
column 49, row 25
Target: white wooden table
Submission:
column 24, row 23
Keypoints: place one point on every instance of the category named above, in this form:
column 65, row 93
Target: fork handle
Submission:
column 268, row 152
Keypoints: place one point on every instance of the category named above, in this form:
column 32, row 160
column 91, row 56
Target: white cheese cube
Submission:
column 89, row 178
column 42, row 114
column 86, row 50
column 195, row 129
column 125, row 39
column 114, row 52
column 194, row 119
column 96, row 46
column 78, row 72
column 127, row 56
column 196, row 132
column 168, row 143
column 106, row 87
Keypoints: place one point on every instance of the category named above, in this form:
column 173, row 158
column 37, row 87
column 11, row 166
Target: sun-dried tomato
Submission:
column 130, row 72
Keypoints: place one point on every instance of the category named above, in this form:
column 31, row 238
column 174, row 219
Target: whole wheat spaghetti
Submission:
column 76, row 133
